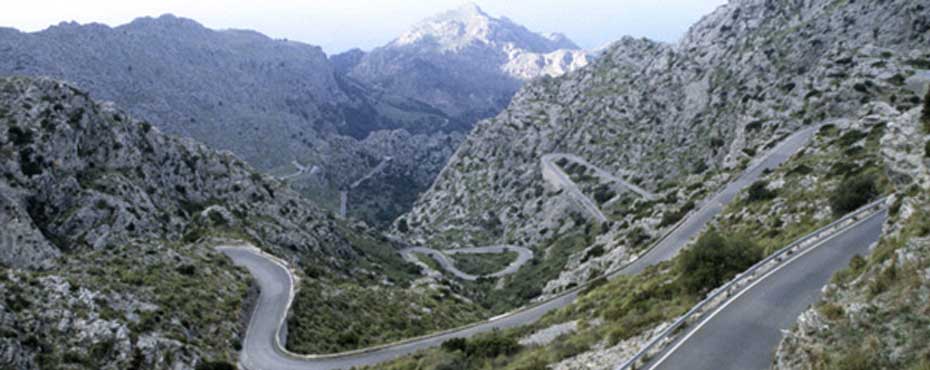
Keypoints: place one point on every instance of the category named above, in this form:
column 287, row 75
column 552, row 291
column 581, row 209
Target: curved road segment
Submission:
column 549, row 159
column 742, row 334
column 441, row 257
column 344, row 194
column 260, row 352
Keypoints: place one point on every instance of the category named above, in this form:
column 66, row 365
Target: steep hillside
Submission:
column 108, row 225
column 874, row 314
column 467, row 63
column 674, row 119
column 269, row 101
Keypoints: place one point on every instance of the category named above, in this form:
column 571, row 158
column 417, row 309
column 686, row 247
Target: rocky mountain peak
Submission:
column 469, row 25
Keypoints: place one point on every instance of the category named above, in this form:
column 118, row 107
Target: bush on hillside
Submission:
column 852, row 193
column 713, row 260
column 759, row 191
column 926, row 114
column 216, row 365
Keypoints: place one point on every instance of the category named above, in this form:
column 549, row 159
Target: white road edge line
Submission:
column 749, row 288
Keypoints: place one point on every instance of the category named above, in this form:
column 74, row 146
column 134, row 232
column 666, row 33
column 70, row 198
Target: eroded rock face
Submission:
column 659, row 114
column 80, row 174
column 269, row 101
column 895, row 279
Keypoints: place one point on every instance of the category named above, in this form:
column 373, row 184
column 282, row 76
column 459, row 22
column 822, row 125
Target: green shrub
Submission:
column 759, row 191
column 853, row 193
column 670, row 218
column 713, row 260
column 856, row 360
column 215, row 365
column 831, row 311
column 18, row 136
column 492, row 346
column 852, row 137
column 455, row 344
column 927, row 149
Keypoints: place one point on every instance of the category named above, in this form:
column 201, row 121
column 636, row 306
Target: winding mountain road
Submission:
column 524, row 255
column 262, row 350
column 743, row 333
column 711, row 207
column 344, row 194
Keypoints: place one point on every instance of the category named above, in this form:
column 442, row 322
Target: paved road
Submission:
column 301, row 169
column 344, row 194
column 259, row 352
column 744, row 334
column 710, row 208
column 554, row 157
column 560, row 179
column 524, row 255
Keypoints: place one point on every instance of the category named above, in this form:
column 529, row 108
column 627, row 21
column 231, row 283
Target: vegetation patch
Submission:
column 325, row 316
column 485, row 263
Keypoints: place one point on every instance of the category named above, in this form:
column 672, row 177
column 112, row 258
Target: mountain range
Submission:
column 274, row 102
column 146, row 146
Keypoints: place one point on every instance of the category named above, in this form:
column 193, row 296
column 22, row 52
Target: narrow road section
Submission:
column 743, row 333
column 344, row 194
column 524, row 255
column 261, row 352
column 711, row 207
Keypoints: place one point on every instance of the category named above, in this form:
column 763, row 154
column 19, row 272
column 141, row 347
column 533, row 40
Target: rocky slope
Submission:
column 675, row 119
column 874, row 314
column 105, row 255
column 269, row 101
column 467, row 63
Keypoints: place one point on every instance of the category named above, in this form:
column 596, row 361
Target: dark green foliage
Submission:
column 217, row 218
column 187, row 270
column 927, row 149
column 19, row 137
column 851, row 137
column 491, row 346
column 455, row 344
column 670, row 218
column 594, row 252
column 29, row 164
column 853, row 193
column 603, row 193
column 215, row 365
column 759, row 191
column 713, row 260
column 856, row 360
column 402, row 225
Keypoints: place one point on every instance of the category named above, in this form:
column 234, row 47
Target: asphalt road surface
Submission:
column 260, row 353
column 441, row 257
column 744, row 334
column 710, row 208
column 550, row 158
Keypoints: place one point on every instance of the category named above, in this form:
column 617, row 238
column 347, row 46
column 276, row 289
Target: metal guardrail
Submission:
column 742, row 280
column 609, row 274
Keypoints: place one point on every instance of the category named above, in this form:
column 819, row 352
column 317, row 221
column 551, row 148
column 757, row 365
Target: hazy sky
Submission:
column 338, row 25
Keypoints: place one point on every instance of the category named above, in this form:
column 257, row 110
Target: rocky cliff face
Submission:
column 663, row 116
column 874, row 314
column 106, row 258
column 467, row 63
column 269, row 101
column 79, row 174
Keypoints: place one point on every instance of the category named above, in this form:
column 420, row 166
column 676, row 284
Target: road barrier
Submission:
column 609, row 274
column 744, row 280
